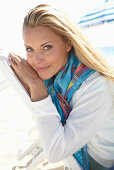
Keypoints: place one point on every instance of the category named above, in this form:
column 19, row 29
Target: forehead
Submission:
column 40, row 33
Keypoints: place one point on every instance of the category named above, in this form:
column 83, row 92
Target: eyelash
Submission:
column 27, row 49
column 47, row 46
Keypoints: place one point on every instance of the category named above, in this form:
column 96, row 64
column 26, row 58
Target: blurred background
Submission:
column 94, row 17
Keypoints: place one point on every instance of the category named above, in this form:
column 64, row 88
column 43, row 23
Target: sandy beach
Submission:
column 15, row 122
column 17, row 130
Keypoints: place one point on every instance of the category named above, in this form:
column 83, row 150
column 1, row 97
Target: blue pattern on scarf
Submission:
column 60, row 85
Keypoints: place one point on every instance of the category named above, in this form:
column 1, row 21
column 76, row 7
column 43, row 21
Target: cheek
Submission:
column 57, row 63
column 60, row 56
column 30, row 60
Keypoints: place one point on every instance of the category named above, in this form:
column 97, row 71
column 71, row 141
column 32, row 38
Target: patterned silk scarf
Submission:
column 62, row 89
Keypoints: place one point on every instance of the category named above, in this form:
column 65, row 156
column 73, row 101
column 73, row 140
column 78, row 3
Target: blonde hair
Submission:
column 46, row 15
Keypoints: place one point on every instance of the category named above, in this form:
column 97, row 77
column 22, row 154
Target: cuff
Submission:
column 44, row 107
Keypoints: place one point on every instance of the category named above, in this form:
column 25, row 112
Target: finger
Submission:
column 23, row 61
column 15, row 58
column 12, row 63
column 13, row 69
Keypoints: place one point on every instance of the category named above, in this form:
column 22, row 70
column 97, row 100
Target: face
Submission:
column 46, row 51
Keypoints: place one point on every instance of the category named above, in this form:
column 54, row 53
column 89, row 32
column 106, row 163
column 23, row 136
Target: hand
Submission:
column 28, row 77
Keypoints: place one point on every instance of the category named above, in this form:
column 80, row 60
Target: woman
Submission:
column 68, row 83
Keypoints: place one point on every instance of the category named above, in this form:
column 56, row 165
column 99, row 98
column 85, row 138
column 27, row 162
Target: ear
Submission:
column 68, row 46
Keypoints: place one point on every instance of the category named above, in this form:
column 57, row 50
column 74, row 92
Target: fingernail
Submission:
column 9, row 58
column 9, row 53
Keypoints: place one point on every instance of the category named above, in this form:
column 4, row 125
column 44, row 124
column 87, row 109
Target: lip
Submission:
column 42, row 69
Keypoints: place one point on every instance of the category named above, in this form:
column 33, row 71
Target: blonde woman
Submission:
column 68, row 83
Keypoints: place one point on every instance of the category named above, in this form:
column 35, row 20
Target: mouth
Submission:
column 42, row 69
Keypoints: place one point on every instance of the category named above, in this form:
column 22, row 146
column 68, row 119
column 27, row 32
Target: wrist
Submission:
column 36, row 97
column 38, row 91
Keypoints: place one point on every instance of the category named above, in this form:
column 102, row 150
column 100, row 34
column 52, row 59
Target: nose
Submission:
column 38, row 58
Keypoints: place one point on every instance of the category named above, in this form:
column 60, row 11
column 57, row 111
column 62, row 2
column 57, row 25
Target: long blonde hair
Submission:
column 46, row 15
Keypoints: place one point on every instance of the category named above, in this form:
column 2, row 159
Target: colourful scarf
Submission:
column 62, row 89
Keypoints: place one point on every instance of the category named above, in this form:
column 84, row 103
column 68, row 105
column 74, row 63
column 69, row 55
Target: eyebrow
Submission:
column 27, row 46
column 46, row 43
column 40, row 45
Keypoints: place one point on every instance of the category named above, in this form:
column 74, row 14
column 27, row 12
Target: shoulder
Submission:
column 94, row 84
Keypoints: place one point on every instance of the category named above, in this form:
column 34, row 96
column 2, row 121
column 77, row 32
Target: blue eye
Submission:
column 47, row 47
column 29, row 49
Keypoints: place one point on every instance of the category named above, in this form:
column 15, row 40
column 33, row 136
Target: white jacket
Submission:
column 91, row 122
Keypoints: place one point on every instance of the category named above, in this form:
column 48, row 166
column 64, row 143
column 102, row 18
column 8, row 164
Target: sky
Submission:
column 12, row 13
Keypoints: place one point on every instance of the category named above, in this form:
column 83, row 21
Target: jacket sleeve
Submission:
column 90, row 106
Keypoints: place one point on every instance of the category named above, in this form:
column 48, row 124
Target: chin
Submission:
column 45, row 77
